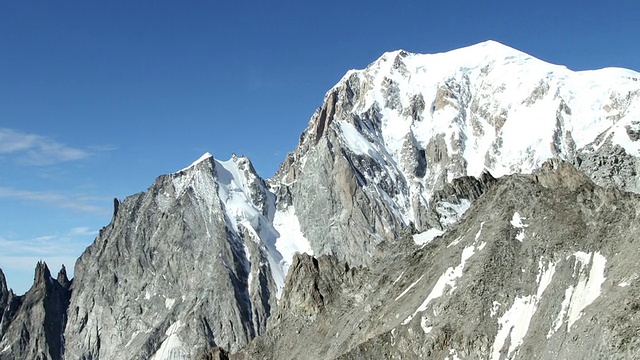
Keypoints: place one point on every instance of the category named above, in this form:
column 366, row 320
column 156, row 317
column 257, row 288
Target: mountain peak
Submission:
column 207, row 155
column 62, row 277
column 3, row 284
column 42, row 273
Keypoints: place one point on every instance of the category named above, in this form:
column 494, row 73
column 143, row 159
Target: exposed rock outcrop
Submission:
column 171, row 276
column 541, row 266
column 32, row 324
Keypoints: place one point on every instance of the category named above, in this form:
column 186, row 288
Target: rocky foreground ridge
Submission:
column 478, row 204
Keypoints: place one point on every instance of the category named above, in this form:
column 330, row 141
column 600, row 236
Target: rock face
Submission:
column 541, row 266
column 178, row 271
column 431, row 208
column 32, row 324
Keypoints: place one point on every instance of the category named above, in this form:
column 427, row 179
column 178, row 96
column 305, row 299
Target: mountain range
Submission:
column 474, row 204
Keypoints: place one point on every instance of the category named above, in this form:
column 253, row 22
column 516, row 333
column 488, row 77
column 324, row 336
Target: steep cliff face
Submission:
column 32, row 324
column 5, row 298
column 541, row 266
column 179, row 270
column 389, row 136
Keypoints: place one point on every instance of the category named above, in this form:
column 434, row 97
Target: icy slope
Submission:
column 489, row 100
column 250, row 208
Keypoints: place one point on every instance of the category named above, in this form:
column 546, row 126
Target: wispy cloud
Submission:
column 78, row 203
column 33, row 149
column 18, row 257
column 69, row 243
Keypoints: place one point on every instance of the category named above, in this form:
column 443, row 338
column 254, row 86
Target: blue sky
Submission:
column 99, row 98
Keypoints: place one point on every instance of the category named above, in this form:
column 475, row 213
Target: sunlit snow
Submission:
column 446, row 282
column 514, row 323
column 408, row 288
column 500, row 110
column 517, row 222
column 426, row 237
column 291, row 240
column 586, row 291
column 168, row 303
column 172, row 347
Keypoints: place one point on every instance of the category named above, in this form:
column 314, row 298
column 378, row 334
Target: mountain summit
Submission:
column 419, row 176
column 389, row 137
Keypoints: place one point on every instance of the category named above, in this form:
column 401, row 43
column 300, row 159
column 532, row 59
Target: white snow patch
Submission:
column 578, row 297
column 291, row 240
column 133, row 337
column 624, row 284
column 514, row 323
column 455, row 242
column 399, row 277
column 426, row 237
column 172, row 347
column 494, row 308
column 409, row 288
column 250, row 273
column 356, row 142
column 589, row 286
column 447, row 281
column 517, row 222
column 6, row 348
column 234, row 192
column 479, row 231
column 147, row 295
column 453, row 355
column 621, row 138
column 168, row 303
column 424, row 324
column 557, row 323
column 451, row 213
column 393, row 337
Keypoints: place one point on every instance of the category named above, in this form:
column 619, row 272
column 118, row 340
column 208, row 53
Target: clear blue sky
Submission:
column 99, row 98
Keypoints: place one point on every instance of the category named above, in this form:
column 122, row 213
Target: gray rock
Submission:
column 32, row 324
column 169, row 277
column 559, row 280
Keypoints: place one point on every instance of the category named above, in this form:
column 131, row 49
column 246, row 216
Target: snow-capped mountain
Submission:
column 202, row 244
column 389, row 137
column 395, row 156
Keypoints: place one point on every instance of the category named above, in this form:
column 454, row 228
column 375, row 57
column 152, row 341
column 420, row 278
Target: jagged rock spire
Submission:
column 62, row 277
column 42, row 273
column 3, row 284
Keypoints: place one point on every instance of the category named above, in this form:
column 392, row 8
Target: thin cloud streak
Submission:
column 18, row 258
column 66, row 244
column 75, row 203
column 37, row 150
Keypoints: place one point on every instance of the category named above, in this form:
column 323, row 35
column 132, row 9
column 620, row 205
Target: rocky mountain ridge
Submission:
column 542, row 266
column 391, row 162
